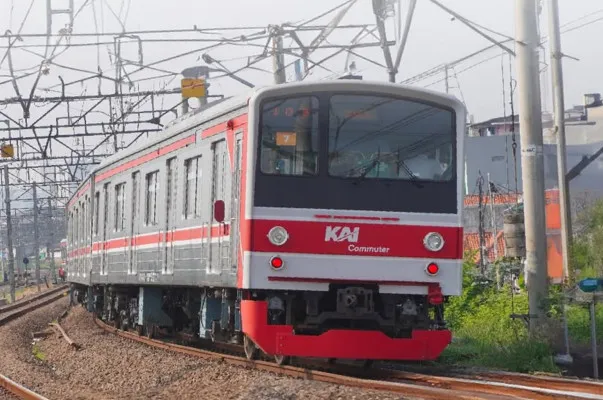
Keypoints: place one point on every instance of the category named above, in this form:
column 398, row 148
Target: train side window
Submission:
column 120, row 201
column 96, row 211
column 192, row 195
column 77, row 220
column 152, row 187
column 88, row 219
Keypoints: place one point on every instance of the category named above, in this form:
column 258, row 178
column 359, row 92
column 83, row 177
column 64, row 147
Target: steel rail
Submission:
column 31, row 299
column 411, row 384
column 18, row 390
column 17, row 310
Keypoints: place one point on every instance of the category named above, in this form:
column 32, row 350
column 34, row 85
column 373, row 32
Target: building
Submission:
column 491, row 157
column 492, row 216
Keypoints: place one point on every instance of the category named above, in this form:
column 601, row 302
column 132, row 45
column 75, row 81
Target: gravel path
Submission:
column 109, row 367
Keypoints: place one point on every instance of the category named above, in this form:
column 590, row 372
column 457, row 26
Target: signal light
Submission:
column 432, row 269
column 277, row 263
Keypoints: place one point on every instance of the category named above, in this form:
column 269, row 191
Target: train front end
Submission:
column 352, row 236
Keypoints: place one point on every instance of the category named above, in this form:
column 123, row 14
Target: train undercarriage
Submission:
column 348, row 321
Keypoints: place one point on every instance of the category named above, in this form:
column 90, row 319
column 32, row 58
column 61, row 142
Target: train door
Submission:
column 104, row 260
column 216, row 232
column 132, row 254
column 88, row 265
column 235, row 203
column 170, row 216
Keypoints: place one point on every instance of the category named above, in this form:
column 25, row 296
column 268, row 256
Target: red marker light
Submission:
column 432, row 269
column 276, row 262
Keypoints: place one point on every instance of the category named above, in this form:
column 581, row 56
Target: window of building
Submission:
column 152, row 187
column 192, row 197
column 120, row 201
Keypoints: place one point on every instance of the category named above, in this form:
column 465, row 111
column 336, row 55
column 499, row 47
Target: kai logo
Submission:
column 339, row 234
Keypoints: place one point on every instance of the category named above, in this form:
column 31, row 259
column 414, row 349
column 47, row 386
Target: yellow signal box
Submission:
column 193, row 88
column 7, row 151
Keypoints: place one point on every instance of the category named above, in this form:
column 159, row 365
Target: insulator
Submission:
column 514, row 234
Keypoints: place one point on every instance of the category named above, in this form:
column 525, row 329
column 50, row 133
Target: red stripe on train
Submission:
column 146, row 158
column 310, row 237
column 158, row 238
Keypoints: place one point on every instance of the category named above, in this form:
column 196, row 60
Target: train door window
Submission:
column 235, row 204
column 120, row 201
column 105, row 223
column 88, row 219
column 96, row 212
column 192, row 195
column 152, row 187
column 134, row 219
column 170, row 203
column 77, row 233
column 219, row 173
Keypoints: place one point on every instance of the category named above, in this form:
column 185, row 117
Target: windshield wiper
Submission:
column 413, row 178
column 367, row 170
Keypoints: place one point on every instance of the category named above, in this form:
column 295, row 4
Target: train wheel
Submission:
column 139, row 330
column 282, row 360
column 367, row 364
column 331, row 360
column 251, row 351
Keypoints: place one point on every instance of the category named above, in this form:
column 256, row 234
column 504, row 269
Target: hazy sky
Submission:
column 434, row 39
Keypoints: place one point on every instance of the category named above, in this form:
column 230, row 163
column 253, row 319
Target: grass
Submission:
column 578, row 321
column 37, row 353
column 486, row 336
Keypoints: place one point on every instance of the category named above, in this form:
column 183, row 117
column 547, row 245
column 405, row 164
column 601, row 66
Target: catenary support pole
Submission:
column 36, row 251
column 9, row 236
column 278, row 58
column 532, row 160
column 559, row 111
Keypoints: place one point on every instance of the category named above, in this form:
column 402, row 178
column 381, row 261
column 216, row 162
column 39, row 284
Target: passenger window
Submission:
column 152, row 187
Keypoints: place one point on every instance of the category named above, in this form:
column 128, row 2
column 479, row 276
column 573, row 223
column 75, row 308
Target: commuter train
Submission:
column 315, row 219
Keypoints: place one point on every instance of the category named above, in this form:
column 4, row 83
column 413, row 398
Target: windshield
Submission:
column 387, row 138
column 314, row 151
column 290, row 137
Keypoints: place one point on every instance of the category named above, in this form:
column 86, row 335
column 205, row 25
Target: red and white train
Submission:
column 310, row 219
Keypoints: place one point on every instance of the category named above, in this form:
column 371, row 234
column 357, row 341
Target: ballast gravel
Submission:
column 110, row 367
column 6, row 395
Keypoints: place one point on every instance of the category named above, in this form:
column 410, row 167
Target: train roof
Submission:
column 223, row 106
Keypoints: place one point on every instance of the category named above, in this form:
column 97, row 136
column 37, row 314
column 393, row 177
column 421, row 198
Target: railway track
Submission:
column 490, row 386
column 17, row 391
column 17, row 309
column 13, row 311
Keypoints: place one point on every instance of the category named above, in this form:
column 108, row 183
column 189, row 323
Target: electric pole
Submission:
column 9, row 236
column 446, row 79
column 532, row 160
column 278, row 58
column 559, row 111
column 36, row 234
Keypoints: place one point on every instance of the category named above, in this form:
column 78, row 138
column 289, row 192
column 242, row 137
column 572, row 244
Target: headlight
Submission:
column 433, row 241
column 278, row 236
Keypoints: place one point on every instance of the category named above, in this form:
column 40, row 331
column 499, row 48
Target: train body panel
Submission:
column 301, row 214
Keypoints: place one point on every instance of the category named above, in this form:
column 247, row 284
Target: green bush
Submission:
column 485, row 334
